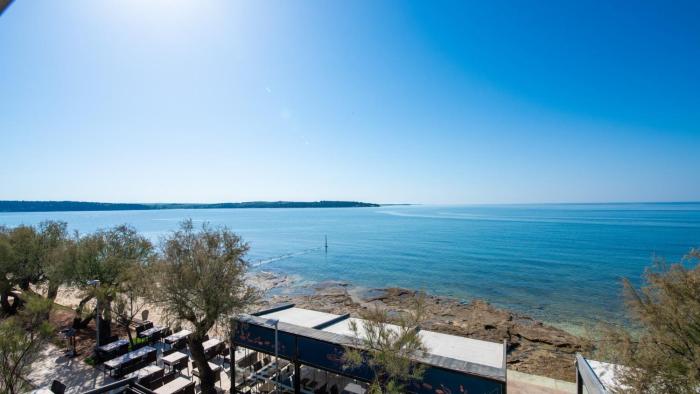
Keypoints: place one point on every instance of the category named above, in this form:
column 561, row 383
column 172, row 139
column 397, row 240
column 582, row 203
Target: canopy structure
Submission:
column 318, row 339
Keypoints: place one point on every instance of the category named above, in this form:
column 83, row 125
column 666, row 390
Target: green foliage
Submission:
column 663, row 355
column 202, row 281
column 110, row 256
column 107, row 255
column 203, row 276
column 33, row 256
column 132, row 295
column 21, row 338
column 388, row 346
column 137, row 342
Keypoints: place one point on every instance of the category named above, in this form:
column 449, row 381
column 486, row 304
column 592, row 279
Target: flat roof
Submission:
column 343, row 328
column 300, row 317
column 443, row 345
column 466, row 349
column 450, row 352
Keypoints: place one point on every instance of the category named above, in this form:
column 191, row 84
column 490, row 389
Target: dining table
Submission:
column 210, row 343
column 151, row 332
column 177, row 385
column 170, row 339
column 123, row 359
column 113, row 345
column 173, row 358
column 145, row 372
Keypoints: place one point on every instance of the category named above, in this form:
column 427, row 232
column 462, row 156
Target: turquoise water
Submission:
column 558, row 263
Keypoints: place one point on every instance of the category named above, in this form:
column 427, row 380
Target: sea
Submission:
column 559, row 263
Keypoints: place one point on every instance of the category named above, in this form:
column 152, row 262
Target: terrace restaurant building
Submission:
column 310, row 345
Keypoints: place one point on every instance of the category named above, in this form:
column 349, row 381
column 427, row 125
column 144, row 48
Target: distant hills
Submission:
column 53, row 206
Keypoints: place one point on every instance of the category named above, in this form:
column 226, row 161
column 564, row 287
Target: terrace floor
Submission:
column 75, row 374
column 78, row 376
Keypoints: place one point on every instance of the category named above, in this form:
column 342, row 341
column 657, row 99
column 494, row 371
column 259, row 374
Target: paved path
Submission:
column 52, row 364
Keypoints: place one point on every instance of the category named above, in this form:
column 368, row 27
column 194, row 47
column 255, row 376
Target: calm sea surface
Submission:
column 558, row 263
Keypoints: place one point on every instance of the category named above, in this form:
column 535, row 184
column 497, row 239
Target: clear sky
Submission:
column 381, row 101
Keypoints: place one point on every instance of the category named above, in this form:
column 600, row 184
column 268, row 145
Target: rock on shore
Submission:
column 533, row 347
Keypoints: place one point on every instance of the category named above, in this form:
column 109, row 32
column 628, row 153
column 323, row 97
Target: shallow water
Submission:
column 558, row 263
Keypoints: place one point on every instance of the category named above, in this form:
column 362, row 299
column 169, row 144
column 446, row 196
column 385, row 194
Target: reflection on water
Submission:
column 559, row 263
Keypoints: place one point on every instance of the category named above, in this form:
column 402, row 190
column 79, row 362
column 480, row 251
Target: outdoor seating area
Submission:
column 160, row 362
column 309, row 345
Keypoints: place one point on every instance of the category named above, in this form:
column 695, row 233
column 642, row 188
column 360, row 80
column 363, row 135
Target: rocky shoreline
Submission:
column 533, row 347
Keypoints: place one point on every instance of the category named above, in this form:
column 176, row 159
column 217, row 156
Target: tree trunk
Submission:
column 52, row 292
column 106, row 321
column 127, row 325
column 78, row 321
column 206, row 375
column 105, row 330
column 5, row 301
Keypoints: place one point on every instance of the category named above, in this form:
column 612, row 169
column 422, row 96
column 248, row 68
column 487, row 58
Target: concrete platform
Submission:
column 522, row 383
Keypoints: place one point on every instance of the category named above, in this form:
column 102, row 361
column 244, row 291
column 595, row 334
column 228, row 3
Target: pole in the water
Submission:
column 326, row 243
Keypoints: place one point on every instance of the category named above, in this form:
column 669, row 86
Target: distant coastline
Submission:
column 55, row 206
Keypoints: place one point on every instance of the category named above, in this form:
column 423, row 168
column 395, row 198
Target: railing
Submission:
column 124, row 383
column 586, row 377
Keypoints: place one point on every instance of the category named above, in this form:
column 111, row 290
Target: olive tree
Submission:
column 33, row 256
column 131, row 296
column 108, row 256
column 22, row 336
column 21, row 265
column 57, row 255
column 201, row 281
column 661, row 354
column 388, row 345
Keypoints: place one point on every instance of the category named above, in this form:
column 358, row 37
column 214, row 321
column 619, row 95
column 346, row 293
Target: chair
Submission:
column 224, row 351
column 148, row 380
column 169, row 377
column 143, row 327
column 58, row 387
column 140, row 329
column 217, row 375
column 182, row 364
column 165, row 379
column 151, row 357
column 155, row 337
column 189, row 389
column 113, row 338
column 180, row 344
column 121, row 350
column 211, row 353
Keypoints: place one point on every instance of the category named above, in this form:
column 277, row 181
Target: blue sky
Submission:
column 383, row 101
